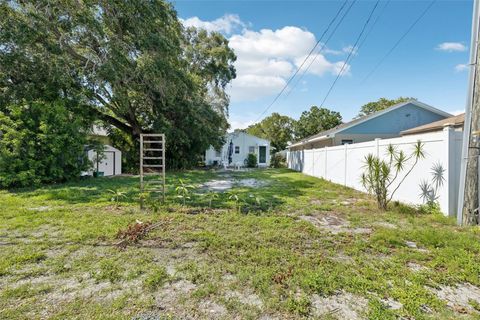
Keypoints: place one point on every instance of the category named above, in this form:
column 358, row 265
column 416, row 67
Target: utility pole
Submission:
column 468, row 204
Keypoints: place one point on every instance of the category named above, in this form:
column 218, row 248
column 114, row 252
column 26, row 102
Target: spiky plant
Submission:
column 380, row 174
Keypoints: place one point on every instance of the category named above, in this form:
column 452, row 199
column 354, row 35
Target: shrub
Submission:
column 41, row 143
column 251, row 160
column 381, row 174
column 157, row 277
column 278, row 161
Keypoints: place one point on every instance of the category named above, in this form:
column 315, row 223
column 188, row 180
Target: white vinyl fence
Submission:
column 345, row 164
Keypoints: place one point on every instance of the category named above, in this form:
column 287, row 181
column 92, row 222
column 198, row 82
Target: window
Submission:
column 237, row 149
column 347, row 141
column 218, row 153
column 251, row 149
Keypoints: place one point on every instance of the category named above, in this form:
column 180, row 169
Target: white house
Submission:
column 237, row 146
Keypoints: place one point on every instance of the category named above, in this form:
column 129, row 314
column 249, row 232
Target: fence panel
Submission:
column 345, row 164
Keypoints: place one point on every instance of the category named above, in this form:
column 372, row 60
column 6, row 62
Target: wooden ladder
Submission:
column 152, row 161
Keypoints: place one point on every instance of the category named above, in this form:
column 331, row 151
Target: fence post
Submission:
column 345, row 165
column 449, row 160
column 325, row 176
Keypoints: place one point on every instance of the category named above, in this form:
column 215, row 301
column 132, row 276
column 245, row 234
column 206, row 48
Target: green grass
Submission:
column 58, row 259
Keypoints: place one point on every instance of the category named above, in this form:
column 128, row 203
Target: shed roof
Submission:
column 456, row 121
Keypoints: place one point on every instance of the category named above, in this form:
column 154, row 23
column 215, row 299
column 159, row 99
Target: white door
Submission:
column 107, row 165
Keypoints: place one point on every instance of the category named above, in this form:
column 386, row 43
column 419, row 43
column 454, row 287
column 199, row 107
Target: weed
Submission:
column 109, row 270
column 156, row 278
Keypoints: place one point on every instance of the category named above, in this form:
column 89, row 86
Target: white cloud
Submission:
column 461, row 67
column 228, row 23
column 451, row 47
column 239, row 123
column 267, row 58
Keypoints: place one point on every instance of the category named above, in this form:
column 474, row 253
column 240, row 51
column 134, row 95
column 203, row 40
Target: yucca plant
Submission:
column 429, row 190
column 380, row 174
column 183, row 191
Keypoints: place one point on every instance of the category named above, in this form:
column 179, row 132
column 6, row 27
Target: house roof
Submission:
column 238, row 132
column 456, row 121
column 328, row 133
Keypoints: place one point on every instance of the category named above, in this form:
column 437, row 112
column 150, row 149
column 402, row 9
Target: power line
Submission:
column 323, row 47
column 306, row 58
column 374, row 24
column 351, row 52
column 399, row 40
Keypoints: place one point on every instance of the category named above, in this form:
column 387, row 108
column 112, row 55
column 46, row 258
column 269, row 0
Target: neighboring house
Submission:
column 455, row 122
column 240, row 144
column 388, row 123
column 108, row 163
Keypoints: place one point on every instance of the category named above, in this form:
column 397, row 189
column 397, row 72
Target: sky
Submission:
column 272, row 38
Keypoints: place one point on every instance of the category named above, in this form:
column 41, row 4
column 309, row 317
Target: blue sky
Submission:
column 271, row 38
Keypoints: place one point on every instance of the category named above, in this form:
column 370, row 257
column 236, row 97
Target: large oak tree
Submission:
column 130, row 63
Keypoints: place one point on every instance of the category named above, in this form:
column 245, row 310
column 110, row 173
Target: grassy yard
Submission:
column 292, row 247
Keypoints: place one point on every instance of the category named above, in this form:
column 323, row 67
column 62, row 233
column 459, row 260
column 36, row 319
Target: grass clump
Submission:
column 156, row 278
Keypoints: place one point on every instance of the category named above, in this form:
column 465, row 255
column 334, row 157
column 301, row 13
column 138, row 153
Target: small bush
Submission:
column 278, row 161
column 251, row 160
column 156, row 278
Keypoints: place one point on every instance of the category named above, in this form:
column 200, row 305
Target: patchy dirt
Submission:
column 384, row 224
column 250, row 299
column 40, row 209
column 343, row 258
column 341, row 306
column 217, row 185
column 251, row 183
column 415, row 267
column 392, row 304
column 168, row 297
column 459, row 297
column 333, row 224
column 228, row 182
column 413, row 245
column 212, row 309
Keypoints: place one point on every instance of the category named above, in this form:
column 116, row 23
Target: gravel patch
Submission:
column 459, row 297
column 392, row 304
column 341, row 306
column 250, row 299
column 334, row 224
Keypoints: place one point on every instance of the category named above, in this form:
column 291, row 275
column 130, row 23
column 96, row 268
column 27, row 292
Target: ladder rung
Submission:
column 150, row 149
column 152, row 141
column 152, row 134
column 152, row 165
column 153, row 158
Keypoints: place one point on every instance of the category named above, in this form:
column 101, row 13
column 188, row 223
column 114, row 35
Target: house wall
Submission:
column 345, row 164
column 358, row 137
column 242, row 140
column 406, row 117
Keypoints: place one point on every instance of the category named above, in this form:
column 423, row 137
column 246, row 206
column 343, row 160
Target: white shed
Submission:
column 242, row 144
column 108, row 165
